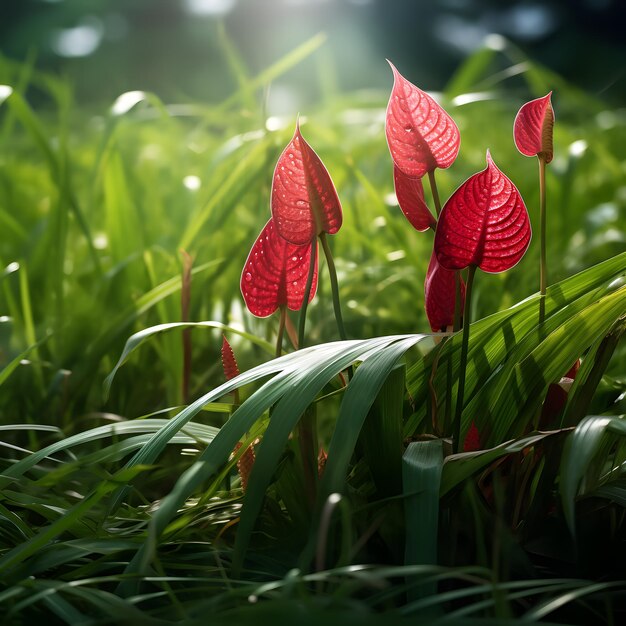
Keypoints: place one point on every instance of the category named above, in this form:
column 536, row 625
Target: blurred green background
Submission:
column 98, row 194
column 171, row 47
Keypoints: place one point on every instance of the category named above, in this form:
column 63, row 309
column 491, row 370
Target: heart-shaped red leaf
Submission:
column 275, row 273
column 484, row 223
column 532, row 129
column 439, row 294
column 304, row 200
column 410, row 195
column 420, row 134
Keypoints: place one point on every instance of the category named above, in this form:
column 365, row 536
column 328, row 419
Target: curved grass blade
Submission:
column 421, row 477
column 135, row 341
column 592, row 438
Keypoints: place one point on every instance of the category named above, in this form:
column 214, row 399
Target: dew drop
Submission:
column 294, row 258
column 408, row 129
column 248, row 277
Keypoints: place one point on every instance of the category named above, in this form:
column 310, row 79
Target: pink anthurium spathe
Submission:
column 410, row 196
column 439, row 295
column 304, row 201
column 275, row 273
column 484, row 224
column 420, row 134
column 533, row 128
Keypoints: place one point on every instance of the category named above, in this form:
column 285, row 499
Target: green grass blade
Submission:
column 422, row 465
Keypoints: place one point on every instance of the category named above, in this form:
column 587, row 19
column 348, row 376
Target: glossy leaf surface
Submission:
column 439, row 290
column 275, row 273
column 420, row 134
column 484, row 223
column 304, row 200
column 532, row 129
column 410, row 195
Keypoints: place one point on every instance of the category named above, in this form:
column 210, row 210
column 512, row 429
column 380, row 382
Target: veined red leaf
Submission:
column 439, row 293
column 532, row 129
column 420, row 134
column 484, row 223
column 410, row 195
column 229, row 362
column 304, row 200
column 275, row 273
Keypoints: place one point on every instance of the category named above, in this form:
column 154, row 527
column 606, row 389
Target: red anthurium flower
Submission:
column 410, row 195
column 304, row 200
column 229, row 363
column 472, row 439
column 532, row 129
column 420, row 134
column 484, row 223
column 439, row 293
column 275, row 273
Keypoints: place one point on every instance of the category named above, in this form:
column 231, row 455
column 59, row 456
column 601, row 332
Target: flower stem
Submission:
column 435, row 191
column 281, row 330
column 307, row 293
column 463, row 364
column 543, row 271
column 333, row 285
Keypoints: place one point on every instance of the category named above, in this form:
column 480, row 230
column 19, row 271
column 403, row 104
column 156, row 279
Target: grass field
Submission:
column 120, row 505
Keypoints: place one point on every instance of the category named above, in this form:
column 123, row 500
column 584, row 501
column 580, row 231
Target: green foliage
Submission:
column 121, row 504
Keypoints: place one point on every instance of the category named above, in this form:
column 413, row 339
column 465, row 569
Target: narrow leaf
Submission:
column 304, row 200
column 422, row 466
column 533, row 128
column 410, row 195
column 420, row 134
column 484, row 223
column 275, row 273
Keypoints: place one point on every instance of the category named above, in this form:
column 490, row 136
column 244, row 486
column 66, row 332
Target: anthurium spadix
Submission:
column 410, row 196
column 420, row 134
column 533, row 128
column 275, row 273
column 304, row 200
column 484, row 224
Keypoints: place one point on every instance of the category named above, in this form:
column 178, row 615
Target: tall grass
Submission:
column 114, row 508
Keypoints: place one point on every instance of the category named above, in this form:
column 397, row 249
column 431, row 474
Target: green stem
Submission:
column 281, row 330
column 307, row 293
column 435, row 191
column 462, row 365
column 543, row 272
column 334, row 285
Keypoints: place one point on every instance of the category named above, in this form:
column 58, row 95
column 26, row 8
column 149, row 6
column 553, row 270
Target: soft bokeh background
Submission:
column 171, row 46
